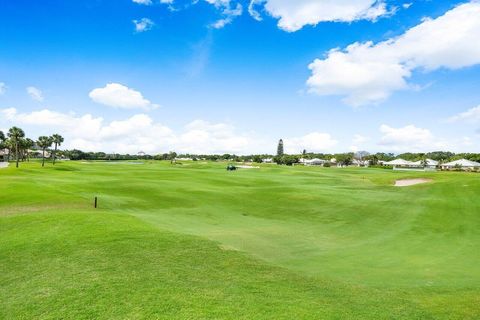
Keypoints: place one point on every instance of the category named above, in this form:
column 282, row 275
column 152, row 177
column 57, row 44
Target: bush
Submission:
column 382, row 167
column 327, row 165
column 286, row 159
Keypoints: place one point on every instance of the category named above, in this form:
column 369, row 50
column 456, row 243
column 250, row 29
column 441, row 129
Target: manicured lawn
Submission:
column 194, row 241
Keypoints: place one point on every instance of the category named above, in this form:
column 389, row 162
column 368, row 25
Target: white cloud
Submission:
column 35, row 93
column 312, row 142
column 472, row 116
column 120, row 96
column 358, row 139
column 85, row 126
column 409, row 139
column 137, row 133
column 3, row 88
column 143, row 25
column 229, row 12
column 204, row 137
column 407, row 5
column 253, row 11
column 145, row 2
column 370, row 73
column 294, row 15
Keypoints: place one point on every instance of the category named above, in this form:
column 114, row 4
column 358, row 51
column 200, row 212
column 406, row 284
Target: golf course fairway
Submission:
column 193, row 241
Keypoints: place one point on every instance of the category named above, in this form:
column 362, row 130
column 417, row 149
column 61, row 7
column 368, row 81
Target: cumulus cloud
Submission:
column 409, row 138
column 358, row 139
column 294, row 15
column 472, row 115
column 3, row 88
column 370, row 73
column 202, row 136
column 143, row 25
column 120, row 96
column 35, row 93
column 137, row 133
column 312, row 142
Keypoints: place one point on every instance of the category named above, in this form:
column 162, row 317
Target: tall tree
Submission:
column 44, row 143
column 172, row 156
column 7, row 144
column 28, row 144
column 57, row 141
column 16, row 134
column 280, row 148
column 2, row 142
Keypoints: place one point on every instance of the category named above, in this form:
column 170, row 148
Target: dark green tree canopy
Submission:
column 280, row 148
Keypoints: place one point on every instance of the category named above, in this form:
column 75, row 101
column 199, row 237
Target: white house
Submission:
column 429, row 163
column 314, row 162
column 462, row 163
column 400, row 163
column 360, row 163
column 267, row 160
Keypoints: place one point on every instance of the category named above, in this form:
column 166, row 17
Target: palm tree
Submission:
column 424, row 162
column 28, row 144
column 57, row 140
column 44, row 143
column 16, row 134
column 7, row 144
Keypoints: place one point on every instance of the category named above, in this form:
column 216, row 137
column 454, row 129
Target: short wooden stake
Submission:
column 95, row 202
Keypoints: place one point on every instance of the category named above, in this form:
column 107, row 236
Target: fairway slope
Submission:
column 107, row 266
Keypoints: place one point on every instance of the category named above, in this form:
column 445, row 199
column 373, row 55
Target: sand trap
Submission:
column 3, row 164
column 410, row 182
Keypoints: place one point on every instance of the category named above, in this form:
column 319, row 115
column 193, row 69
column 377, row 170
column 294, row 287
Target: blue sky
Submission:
column 212, row 76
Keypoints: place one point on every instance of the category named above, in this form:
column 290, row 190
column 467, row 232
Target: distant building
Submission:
column 420, row 165
column 427, row 163
column 462, row 163
column 314, row 162
column 400, row 163
column 360, row 163
column 267, row 160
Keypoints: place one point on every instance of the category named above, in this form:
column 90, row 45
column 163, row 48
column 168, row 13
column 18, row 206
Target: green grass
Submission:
column 194, row 241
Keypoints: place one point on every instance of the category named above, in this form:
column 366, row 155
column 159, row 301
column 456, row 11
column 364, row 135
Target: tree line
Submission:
column 17, row 144
column 345, row 158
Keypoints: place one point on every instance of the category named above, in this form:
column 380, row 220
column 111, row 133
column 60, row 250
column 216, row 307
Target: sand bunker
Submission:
column 410, row 182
